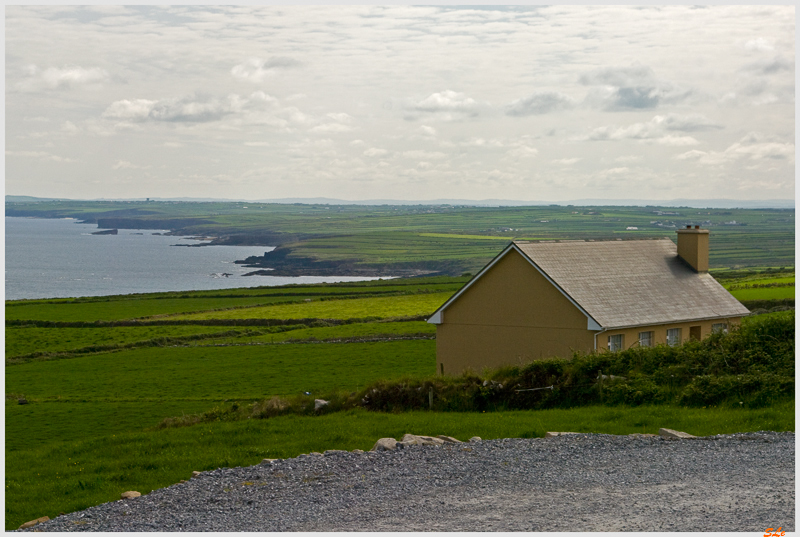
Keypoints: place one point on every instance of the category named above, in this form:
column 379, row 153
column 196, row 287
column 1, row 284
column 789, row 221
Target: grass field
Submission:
column 88, row 430
column 72, row 475
column 453, row 239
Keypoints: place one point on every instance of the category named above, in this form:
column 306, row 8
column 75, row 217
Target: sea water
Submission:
column 57, row 258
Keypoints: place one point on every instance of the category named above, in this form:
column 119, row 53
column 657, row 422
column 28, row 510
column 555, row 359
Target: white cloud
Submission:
column 375, row 152
column 566, row 161
column 420, row 154
column 444, row 106
column 760, row 44
column 258, row 70
column 540, row 102
column 655, row 130
column 41, row 155
column 331, row 127
column 136, row 110
column 752, row 147
column 124, row 164
column 61, row 77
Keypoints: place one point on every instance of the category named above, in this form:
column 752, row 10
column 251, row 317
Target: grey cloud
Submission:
column 192, row 108
column 619, row 76
column 770, row 66
column 630, row 88
column 690, row 123
column 257, row 69
column 189, row 110
column 540, row 102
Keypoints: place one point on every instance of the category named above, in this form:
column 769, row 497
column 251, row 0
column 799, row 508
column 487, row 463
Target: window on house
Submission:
column 645, row 339
column 719, row 327
column 615, row 342
column 673, row 337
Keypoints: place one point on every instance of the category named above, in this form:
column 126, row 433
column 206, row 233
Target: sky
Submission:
column 400, row 102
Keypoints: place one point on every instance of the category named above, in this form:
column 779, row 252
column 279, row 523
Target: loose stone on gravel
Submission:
column 586, row 482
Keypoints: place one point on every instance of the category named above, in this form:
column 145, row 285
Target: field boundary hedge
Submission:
column 311, row 321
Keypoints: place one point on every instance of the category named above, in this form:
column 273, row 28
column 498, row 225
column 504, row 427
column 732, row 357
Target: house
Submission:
column 541, row 299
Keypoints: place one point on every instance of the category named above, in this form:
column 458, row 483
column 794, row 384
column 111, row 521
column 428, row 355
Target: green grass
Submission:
column 146, row 305
column 68, row 476
column 217, row 373
column 26, row 340
column 767, row 293
column 99, row 410
column 355, row 308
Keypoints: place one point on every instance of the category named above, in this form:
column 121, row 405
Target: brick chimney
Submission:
column 693, row 247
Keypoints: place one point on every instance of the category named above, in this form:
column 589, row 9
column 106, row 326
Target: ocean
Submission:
column 58, row 258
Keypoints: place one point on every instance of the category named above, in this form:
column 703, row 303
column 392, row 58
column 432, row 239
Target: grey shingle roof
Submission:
column 631, row 283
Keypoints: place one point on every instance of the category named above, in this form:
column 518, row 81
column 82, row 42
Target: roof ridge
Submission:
column 615, row 239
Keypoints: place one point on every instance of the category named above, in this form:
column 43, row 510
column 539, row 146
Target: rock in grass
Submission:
column 196, row 473
column 674, row 435
column 130, row 494
column 450, row 439
column 475, row 439
column 320, row 403
column 554, row 434
column 358, row 451
column 419, row 440
column 22, row 401
column 268, row 461
column 385, row 444
column 32, row 523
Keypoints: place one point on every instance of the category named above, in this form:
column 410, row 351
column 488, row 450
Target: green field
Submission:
column 448, row 239
column 98, row 384
column 72, row 475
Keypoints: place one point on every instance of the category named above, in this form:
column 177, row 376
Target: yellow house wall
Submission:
column 511, row 315
column 631, row 335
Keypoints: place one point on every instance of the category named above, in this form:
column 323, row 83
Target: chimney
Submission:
column 693, row 247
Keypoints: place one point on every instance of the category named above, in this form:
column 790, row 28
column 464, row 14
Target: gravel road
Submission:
column 591, row 482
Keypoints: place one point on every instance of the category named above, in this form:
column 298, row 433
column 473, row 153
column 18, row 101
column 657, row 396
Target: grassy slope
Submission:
column 67, row 476
column 77, row 403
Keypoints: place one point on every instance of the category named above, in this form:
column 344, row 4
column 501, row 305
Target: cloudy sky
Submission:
column 365, row 102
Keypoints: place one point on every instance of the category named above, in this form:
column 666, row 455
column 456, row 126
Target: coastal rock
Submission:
column 106, row 232
column 268, row 461
column 32, row 523
column 475, row 439
column 130, row 494
column 450, row 439
column 195, row 474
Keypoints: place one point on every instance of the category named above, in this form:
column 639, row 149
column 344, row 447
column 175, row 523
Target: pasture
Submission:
column 99, row 374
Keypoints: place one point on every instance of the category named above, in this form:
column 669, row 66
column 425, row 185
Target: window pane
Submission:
column 646, row 339
column 615, row 342
column 673, row 337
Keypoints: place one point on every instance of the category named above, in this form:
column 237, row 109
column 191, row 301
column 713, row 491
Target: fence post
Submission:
column 430, row 398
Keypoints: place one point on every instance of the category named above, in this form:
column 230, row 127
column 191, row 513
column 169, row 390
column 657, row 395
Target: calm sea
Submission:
column 55, row 258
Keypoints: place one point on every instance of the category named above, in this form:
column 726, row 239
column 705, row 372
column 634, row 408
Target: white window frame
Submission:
column 674, row 336
column 616, row 342
column 648, row 340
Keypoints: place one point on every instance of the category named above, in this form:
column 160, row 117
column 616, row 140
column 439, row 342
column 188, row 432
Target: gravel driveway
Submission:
column 591, row 482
